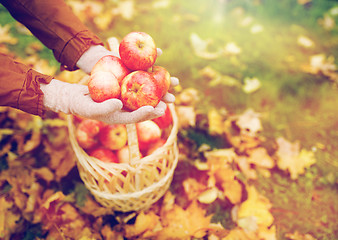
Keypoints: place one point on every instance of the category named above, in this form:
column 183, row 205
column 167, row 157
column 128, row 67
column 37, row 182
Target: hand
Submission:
column 75, row 99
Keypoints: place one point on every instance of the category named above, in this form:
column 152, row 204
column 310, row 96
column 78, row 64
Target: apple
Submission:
column 103, row 86
column 153, row 146
column 103, row 154
column 138, row 51
column 162, row 76
column 113, row 65
column 138, row 89
column 113, row 136
column 87, row 131
column 147, row 133
column 165, row 120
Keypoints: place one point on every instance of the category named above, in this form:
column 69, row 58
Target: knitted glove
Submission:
column 75, row 99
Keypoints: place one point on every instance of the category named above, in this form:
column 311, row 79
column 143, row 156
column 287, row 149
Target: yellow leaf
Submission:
column 249, row 123
column 144, row 224
column 8, row 218
column 184, row 224
column 201, row 47
column 186, row 116
column 305, row 42
column 298, row 236
column 256, row 207
column 251, row 85
column 6, row 37
column 215, row 121
column 260, row 157
column 208, row 196
column 290, row 157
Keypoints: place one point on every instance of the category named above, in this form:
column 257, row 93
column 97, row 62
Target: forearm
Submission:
column 20, row 86
column 55, row 25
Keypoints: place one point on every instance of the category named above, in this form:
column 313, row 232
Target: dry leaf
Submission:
column 256, row 208
column 146, row 225
column 231, row 48
column 208, row 196
column 298, row 236
column 179, row 223
column 260, row 157
column 251, row 85
column 193, row 188
column 305, row 42
column 186, row 116
column 327, row 22
column 201, row 47
column 215, row 78
column 249, row 123
column 290, row 157
column 8, row 218
column 5, row 36
column 216, row 122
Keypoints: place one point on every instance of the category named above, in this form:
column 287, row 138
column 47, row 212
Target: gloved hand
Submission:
column 75, row 99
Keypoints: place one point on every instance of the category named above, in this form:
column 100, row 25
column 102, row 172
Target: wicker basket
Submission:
column 129, row 186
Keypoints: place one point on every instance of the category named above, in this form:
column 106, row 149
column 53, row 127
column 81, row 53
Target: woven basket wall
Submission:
column 129, row 186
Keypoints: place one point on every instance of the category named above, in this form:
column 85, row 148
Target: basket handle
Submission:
column 134, row 153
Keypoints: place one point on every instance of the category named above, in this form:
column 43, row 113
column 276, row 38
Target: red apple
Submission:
column 138, row 51
column 87, row 131
column 138, row 89
column 113, row 136
column 163, row 78
column 159, row 143
column 165, row 120
column 103, row 154
column 111, row 64
column 147, row 133
column 103, row 86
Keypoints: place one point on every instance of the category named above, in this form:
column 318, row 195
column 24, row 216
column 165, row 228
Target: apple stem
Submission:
column 150, row 70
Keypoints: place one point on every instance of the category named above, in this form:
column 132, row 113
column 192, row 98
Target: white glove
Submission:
column 75, row 99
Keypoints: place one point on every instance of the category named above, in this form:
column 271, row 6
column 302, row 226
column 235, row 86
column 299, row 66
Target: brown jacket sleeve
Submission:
column 20, row 86
column 54, row 24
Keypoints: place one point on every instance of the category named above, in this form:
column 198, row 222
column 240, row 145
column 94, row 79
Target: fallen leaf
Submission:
column 231, row 48
column 256, row 28
column 208, row 196
column 179, row 223
column 215, row 121
column 249, row 123
column 298, row 236
column 201, row 47
column 255, row 207
column 251, row 85
column 9, row 220
column 5, row 36
column 292, row 159
column 146, row 225
column 305, row 42
column 186, row 116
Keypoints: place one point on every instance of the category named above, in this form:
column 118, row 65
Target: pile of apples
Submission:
column 133, row 78
column 109, row 143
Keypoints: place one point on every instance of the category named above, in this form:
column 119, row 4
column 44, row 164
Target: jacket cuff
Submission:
column 75, row 47
column 30, row 98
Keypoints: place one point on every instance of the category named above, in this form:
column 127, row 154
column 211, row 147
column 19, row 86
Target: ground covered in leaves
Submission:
column 257, row 137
